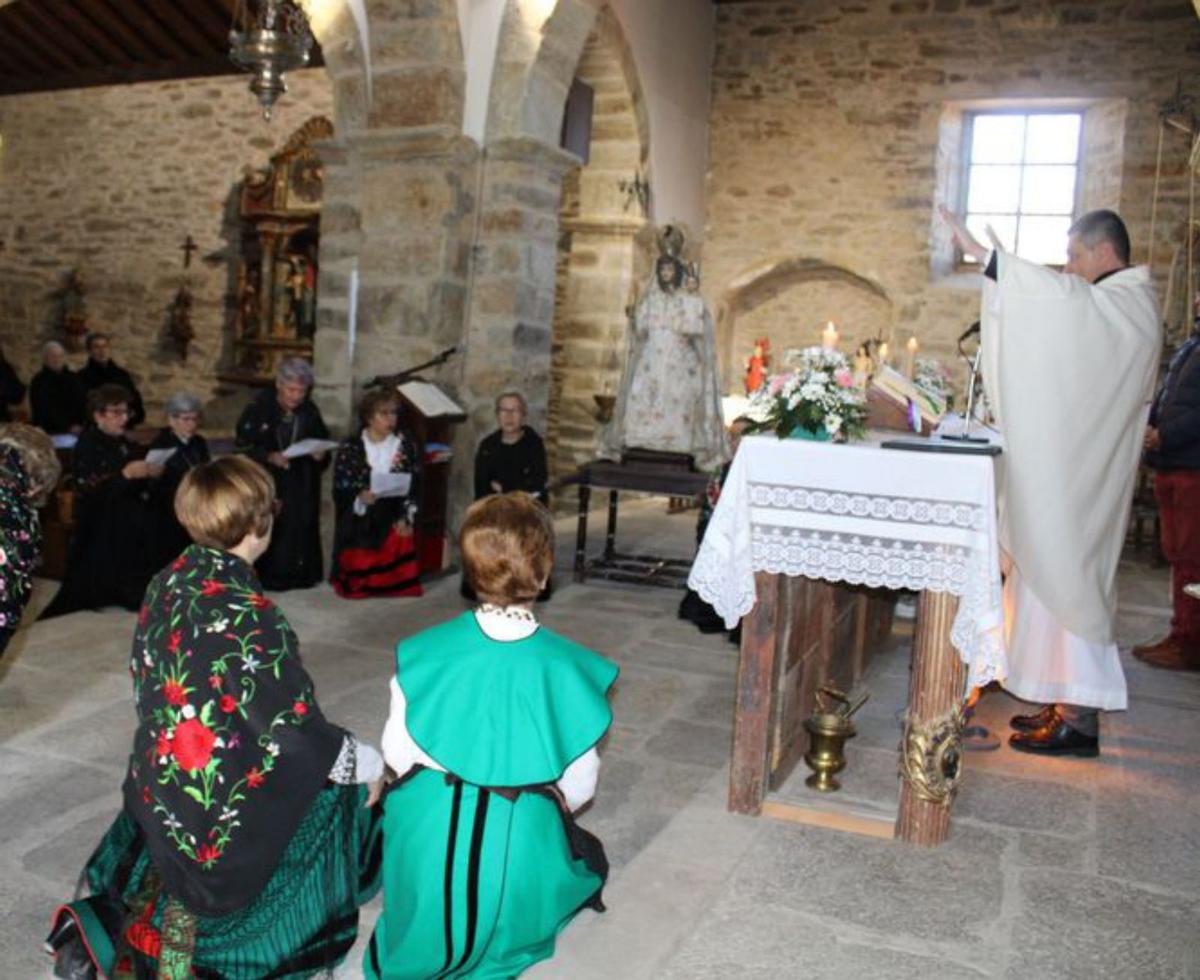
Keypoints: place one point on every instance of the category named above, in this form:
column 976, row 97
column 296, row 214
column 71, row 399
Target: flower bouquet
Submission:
column 816, row 399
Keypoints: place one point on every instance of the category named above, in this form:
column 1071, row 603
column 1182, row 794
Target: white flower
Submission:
column 273, row 748
column 250, row 663
column 189, row 711
column 227, row 814
column 218, row 626
column 170, row 822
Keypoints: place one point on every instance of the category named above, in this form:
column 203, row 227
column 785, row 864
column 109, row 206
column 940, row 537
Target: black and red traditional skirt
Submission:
column 390, row 569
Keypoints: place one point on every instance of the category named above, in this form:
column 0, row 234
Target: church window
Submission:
column 1022, row 178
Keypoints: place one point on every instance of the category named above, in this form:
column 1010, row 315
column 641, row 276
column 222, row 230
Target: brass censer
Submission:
column 827, row 734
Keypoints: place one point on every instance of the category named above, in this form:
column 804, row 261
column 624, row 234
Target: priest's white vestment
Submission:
column 1070, row 368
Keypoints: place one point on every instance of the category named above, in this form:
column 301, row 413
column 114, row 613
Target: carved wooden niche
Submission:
column 275, row 309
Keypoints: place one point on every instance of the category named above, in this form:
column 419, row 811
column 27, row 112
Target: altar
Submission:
column 794, row 511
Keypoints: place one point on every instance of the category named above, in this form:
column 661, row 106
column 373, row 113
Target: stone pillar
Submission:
column 399, row 209
column 511, row 309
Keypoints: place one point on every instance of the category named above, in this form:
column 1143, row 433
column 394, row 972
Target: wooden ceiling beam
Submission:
column 115, row 75
column 212, row 18
column 134, row 13
column 80, row 21
column 102, row 12
column 173, row 21
column 21, row 58
column 25, row 33
column 54, row 28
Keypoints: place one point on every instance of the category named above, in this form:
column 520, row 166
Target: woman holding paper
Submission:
column 283, row 430
column 374, row 491
column 177, row 448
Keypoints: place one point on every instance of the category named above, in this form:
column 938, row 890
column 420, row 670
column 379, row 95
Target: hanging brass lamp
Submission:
column 269, row 38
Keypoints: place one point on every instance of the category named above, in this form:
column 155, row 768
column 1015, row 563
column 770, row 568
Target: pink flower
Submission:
column 844, row 378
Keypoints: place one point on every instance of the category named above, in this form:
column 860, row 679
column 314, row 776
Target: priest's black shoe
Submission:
column 1057, row 738
column 1031, row 723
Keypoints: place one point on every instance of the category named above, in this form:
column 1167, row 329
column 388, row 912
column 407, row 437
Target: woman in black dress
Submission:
column 373, row 547
column 276, row 419
column 110, row 561
column 189, row 449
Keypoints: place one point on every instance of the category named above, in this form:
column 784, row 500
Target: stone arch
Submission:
column 601, row 255
column 804, row 292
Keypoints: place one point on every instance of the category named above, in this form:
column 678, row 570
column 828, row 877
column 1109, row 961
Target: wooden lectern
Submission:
column 429, row 415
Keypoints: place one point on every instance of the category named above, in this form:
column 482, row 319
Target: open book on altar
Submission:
column 895, row 402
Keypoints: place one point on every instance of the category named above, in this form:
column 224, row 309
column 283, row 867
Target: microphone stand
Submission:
column 392, row 380
column 972, row 386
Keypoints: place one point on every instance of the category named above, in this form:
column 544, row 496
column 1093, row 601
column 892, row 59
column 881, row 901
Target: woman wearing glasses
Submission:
column 188, row 449
column 110, row 561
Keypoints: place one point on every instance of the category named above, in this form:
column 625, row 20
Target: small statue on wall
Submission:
column 757, row 364
column 180, row 325
column 72, row 311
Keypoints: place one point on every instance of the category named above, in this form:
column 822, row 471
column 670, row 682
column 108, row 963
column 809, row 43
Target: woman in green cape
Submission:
column 244, row 848
column 493, row 730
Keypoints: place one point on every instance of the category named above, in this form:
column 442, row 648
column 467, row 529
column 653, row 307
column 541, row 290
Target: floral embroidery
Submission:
column 209, row 747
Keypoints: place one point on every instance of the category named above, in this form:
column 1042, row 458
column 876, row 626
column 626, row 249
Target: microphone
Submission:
column 970, row 332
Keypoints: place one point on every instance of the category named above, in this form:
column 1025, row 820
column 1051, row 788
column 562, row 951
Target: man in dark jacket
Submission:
column 101, row 369
column 55, row 394
column 1173, row 451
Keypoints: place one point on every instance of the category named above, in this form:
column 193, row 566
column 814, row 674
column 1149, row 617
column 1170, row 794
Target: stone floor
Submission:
column 1054, row 868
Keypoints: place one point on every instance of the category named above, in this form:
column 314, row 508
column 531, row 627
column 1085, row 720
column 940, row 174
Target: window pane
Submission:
column 1044, row 239
column 994, row 189
column 1052, row 139
column 1048, row 190
column 1005, row 226
column 997, row 139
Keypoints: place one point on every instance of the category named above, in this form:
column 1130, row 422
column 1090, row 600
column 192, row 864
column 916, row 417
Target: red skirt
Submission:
column 390, row 569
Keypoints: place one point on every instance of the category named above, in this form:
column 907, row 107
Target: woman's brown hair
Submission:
column 373, row 401
column 507, row 543
column 219, row 503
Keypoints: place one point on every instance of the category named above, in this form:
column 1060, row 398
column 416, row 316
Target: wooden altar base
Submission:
column 803, row 633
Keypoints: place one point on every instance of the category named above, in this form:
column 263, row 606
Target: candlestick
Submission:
column 911, row 357
column 829, row 336
column 883, row 353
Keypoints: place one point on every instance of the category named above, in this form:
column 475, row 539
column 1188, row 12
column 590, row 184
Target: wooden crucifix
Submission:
column 187, row 248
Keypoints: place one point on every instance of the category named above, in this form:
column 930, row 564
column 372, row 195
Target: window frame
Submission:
column 1014, row 109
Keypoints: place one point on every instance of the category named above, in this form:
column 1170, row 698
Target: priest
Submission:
column 101, row 369
column 1069, row 361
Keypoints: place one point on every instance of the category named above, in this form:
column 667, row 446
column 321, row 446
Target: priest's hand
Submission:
column 962, row 238
column 278, row 460
column 367, row 497
column 139, row 469
column 1151, row 441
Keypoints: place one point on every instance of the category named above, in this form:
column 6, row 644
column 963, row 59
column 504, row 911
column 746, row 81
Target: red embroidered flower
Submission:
column 260, row 601
column 210, row 587
column 163, row 745
column 146, row 797
column 178, row 563
column 254, row 778
column 228, row 703
column 192, row 745
column 300, row 708
column 145, row 939
column 143, row 615
column 207, row 854
column 175, row 694
column 174, row 641
column 214, row 681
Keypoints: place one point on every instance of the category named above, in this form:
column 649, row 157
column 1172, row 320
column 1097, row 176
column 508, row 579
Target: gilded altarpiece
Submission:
column 275, row 309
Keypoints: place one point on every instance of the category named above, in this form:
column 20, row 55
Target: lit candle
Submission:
column 911, row 357
column 882, row 353
column 829, row 336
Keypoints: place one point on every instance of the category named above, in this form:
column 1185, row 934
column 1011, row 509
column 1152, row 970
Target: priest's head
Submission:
column 1098, row 243
column 99, row 347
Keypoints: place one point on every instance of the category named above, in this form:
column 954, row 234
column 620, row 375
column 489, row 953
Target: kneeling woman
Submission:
column 493, row 730
column 373, row 547
column 245, row 846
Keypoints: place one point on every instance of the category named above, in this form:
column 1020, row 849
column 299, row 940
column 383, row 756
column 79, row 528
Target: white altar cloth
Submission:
column 863, row 515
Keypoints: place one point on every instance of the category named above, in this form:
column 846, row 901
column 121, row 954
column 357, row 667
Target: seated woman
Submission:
column 190, row 449
column 244, row 847
column 374, row 553
column 29, row 470
column 493, row 730
column 110, row 559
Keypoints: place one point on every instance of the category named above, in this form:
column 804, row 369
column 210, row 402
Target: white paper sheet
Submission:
column 390, row 484
column 308, row 447
column 157, row 457
column 430, row 399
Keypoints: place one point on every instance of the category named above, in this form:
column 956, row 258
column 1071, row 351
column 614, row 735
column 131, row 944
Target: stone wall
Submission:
column 111, row 181
column 832, row 137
